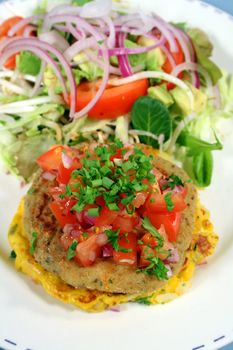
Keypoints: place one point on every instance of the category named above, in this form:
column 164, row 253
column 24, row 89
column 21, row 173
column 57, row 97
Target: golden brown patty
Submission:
column 104, row 275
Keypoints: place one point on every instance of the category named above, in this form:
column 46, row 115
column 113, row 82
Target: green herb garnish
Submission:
column 150, row 228
column 156, row 268
column 93, row 211
column 33, row 242
column 113, row 240
column 72, row 250
column 173, row 181
column 169, row 202
column 13, row 254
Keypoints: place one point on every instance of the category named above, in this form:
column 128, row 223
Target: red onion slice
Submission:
column 174, row 258
column 48, row 176
column 23, row 23
column 77, row 33
column 123, row 60
column 55, row 39
column 27, row 43
column 101, row 239
column 135, row 50
column 165, row 30
column 39, row 80
column 111, row 40
column 29, row 30
column 169, row 272
column 96, row 9
column 79, row 46
column 197, row 68
column 66, row 160
column 40, row 53
column 169, row 56
column 107, row 251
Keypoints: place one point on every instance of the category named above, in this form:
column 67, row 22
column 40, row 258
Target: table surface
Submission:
column 226, row 5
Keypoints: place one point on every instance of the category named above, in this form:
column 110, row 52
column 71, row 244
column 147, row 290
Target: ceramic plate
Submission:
column 200, row 319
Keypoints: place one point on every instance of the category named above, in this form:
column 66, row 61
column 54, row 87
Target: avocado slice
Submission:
column 182, row 101
column 160, row 93
column 154, row 58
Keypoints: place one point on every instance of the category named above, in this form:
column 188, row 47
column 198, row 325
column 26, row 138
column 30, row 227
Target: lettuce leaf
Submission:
column 28, row 63
column 204, row 50
column 19, row 154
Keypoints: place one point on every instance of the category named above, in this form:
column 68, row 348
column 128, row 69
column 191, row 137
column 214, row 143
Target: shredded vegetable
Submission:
column 63, row 71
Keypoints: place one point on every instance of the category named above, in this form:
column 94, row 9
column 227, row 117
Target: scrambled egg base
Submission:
column 203, row 244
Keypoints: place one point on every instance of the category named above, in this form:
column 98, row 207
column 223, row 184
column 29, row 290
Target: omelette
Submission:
column 152, row 263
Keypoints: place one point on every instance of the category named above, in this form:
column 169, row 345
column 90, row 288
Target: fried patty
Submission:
column 103, row 275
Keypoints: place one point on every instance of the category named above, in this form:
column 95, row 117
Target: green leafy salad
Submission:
column 90, row 70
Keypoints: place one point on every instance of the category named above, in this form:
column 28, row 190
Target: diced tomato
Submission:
column 139, row 199
column 71, row 232
column 64, row 173
column 88, row 251
column 146, row 252
column 178, row 58
column 150, row 240
column 114, row 102
column 106, row 217
column 126, row 241
column 62, row 217
column 125, row 223
column 171, row 223
column 117, row 155
column 157, row 204
column 51, row 159
column 100, row 201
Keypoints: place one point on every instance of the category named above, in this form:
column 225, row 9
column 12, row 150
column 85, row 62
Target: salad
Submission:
column 88, row 71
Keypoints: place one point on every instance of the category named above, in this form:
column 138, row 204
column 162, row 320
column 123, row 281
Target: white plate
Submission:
column 201, row 319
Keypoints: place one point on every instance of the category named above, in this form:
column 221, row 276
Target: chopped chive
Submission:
column 96, row 183
column 33, row 242
column 93, row 211
column 113, row 206
column 72, row 250
column 107, row 182
column 168, row 200
column 13, row 254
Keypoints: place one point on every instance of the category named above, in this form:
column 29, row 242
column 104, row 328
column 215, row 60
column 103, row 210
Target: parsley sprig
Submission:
column 168, row 200
column 72, row 250
column 172, row 182
column 33, row 242
column 156, row 268
column 113, row 236
column 150, row 228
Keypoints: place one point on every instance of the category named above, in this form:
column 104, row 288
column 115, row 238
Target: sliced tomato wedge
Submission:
column 8, row 24
column 62, row 214
column 157, row 204
column 178, row 58
column 4, row 28
column 106, row 217
column 115, row 101
column 171, row 223
column 126, row 241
